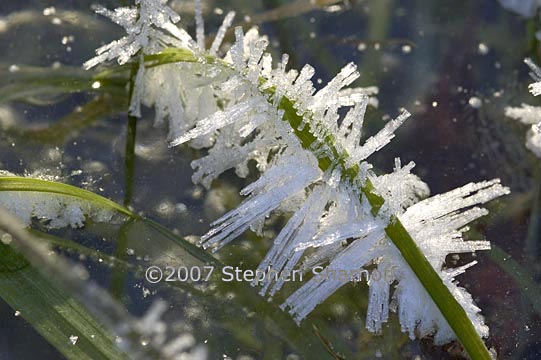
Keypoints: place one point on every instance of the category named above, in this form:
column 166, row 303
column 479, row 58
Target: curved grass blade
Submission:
column 73, row 281
column 17, row 183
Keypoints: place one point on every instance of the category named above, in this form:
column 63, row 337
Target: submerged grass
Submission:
column 63, row 321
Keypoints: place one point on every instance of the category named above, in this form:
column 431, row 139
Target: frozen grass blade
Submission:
column 16, row 183
column 429, row 278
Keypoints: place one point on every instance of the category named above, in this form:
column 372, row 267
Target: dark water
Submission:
column 432, row 57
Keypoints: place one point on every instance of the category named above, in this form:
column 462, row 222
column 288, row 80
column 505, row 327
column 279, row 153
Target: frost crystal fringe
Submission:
column 235, row 107
column 53, row 210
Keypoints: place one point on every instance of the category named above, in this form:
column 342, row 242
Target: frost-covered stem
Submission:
column 440, row 294
column 446, row 302
column 427, row 275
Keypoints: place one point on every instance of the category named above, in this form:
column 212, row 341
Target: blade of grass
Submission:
column 53, row 314
column 131, row 133
column 73, row 281
column 16, row 183
column 119, row 277
column 129, row 160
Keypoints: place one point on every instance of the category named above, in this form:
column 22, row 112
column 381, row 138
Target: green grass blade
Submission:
column 52, row 313
column 450, row 308
column 445, row 301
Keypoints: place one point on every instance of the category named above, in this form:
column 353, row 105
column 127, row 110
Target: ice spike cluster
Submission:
column 235, row 107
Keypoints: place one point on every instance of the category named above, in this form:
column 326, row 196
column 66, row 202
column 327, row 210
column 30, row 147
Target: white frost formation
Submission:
column 313, row 164
column 530, row 115
column 53, row 210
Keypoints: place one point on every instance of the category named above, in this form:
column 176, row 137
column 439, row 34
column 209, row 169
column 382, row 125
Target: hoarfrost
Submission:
column 237, row 107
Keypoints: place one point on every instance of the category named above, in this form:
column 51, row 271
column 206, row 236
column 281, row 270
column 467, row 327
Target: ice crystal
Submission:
column 142, row 24
column 150, row 26
column 238, row 107
column 530, row 115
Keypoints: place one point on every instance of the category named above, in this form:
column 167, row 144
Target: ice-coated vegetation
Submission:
column 530, row 115
column 240, row 107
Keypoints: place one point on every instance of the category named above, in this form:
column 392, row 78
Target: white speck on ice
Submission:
column 49, row 11
column 73, row 339
column 482, row 48
column 475, row 102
